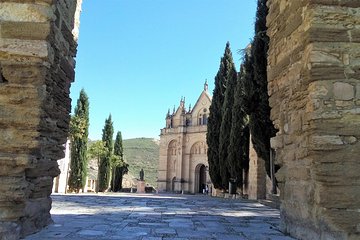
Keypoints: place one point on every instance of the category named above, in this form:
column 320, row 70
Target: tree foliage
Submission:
column 79, row 131
column 119, row 167
column 238, row 150
column 216, row 116
column 118, row 146
column 229, row 74
column 234, row 114
column 105, row 161
column 97, row 150
column 261, row 126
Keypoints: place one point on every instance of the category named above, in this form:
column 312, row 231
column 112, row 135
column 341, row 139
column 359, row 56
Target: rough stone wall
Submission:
column 257, row 175
column 314, row 88
column 37, row 50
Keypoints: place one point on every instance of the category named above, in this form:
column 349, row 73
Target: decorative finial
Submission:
column 182, row 102
column 174, row 109
column 168, row 113
column 190, row 107
column 206, row 86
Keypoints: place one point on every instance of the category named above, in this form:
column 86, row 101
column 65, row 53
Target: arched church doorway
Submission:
column 171, row 164
column 173, row 184
column 200, row 178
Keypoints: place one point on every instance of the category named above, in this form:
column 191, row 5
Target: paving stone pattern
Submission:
column 153, row 217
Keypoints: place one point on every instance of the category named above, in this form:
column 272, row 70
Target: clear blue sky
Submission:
column 136, row 58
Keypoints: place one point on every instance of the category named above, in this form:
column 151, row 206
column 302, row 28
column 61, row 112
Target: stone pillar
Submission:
column 37, row 50
column 314, row 88
column 257, row 175
column 140, row 186
column 162, row 179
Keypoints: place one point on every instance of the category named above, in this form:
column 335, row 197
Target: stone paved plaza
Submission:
column 150, row 216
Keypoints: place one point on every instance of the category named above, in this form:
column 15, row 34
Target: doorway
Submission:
column 200, row 178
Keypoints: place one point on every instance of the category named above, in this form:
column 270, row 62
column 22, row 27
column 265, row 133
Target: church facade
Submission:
column 183, row 165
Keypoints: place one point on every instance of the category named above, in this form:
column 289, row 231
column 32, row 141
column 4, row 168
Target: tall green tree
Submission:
column 238, row 150
column 229, row 74
column 105, row 161
column 97, row 150
column 215, row 117
column 121, row 167
column 79, row 131
column 261, row 126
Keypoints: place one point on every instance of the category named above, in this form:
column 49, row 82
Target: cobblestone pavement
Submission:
column 152, row 217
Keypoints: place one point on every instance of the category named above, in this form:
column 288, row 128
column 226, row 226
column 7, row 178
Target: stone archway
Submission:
column 171, row 164
column 200, row 178
column 197, row 159
column 173, row 180
column 313, row 79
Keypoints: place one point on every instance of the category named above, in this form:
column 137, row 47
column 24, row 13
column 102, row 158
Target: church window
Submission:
column 204, row 121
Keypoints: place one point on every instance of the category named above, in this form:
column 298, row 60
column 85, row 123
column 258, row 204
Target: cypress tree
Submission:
column 79, row 131
column 215, row 118
column 238, row 156
column 121, row 167
column 105, row 161
column 261, row 126
column 229, row 75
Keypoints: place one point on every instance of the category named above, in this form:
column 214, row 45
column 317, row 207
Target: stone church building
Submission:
column 183, row 165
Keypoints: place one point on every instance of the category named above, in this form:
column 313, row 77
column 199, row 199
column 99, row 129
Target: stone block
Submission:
column 319, row 89
column 357, row 96
column 323, row 34
column 24, row 74
column 26, row 12
column 277, row 142
column 324, row 72
column 140, row 187
column 343, row 91
column 325, row 57
column 300, row 173
column 9, row 230
column 11, row 213
column 25, row 30
column 336, row 3
column 331, row 173
column 343, row 104
column 323, row 142
column 347, row 125
column 355, row 35
column 31, row 48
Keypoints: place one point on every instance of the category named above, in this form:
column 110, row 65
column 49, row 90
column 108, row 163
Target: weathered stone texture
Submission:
column 37, row 50
column 313, row 79
column 257, row 176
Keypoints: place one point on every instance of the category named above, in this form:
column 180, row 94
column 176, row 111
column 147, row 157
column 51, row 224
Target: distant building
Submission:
column 60, row 182
column 183, row 165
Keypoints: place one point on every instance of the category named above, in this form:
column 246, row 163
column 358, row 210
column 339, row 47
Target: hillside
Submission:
column 142, row 153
